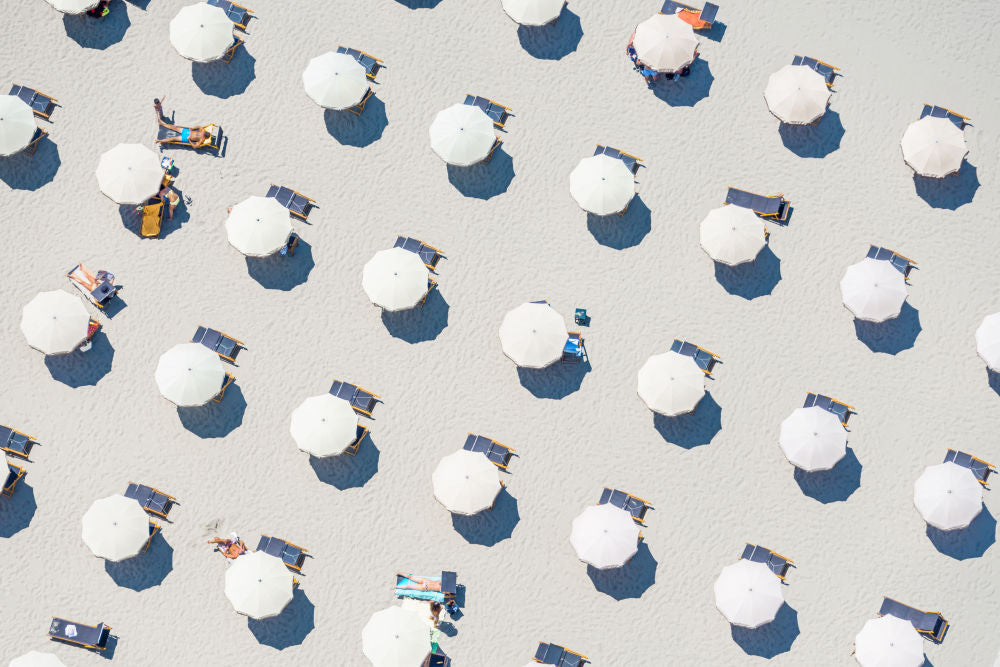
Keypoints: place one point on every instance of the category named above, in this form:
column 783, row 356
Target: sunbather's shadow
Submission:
column 892, row 336
column 693, row 429
column 489, row 526
column 17, row 511
column 419, row 324
column 94, row 33
column 346, row 471
column 751, row 279
column 82, row 369
column 145, row 570
column 630, row 581
column 290, row 627
column 282, row 272
column 220, row 79
column 556, row 381
column 949, row 192
column 483, row 181
column 833, row 485
column 622, row 231
column 969, row 542
column 817, row 140
column 771, row 639
column 686, row 91
column 552, row 42
column 215, row 420
column 351, row 129
column 30, row 172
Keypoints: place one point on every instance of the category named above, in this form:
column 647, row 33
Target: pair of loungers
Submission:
column 928, row 623
column 706, row 360
column 41, row 105
column 15, row 442
column 842, row 410
column 222, row 344
column 902, row 264
column 774, row 206
column 497, row 112
column 958, row 119
column 238, row 14
column 449, row 588
column 699, row 20
column 980, row 468
column 774, row 561
column 631, row 161
column 429, row 255
column 297, row 203
column 362, row 400
column 828, row 71
column 152, row 500
column 499, row 455
column 553, row 654
column 292, row 555
column 371, row 64
column 623, row 500
column 93, row 637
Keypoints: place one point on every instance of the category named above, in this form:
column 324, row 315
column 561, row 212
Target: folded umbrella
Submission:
column 889, row 641
column 324, row 425
column 189, row 374
column 604, row 536
column 55, row 322
column 533, row 12
column 258, row 226
column 462, row 135
column 602, row 185
column 395, row 279
column 259, row 585
column 201, row 32
column 129, row 173
column 732, row 235
column 813, row 439
column 948, row 496
column 466, row 482
column 671, row 384
column 873, row 290
column 17, row 125
column 115, row 528
column 665, row 43
column 335, row 80
column 797, row 94
column 533, row 335
column 748, row 594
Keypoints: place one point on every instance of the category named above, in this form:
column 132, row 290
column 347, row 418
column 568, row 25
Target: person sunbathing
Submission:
column 230, row 548
column 420, row 583
column 192, row 137
column 170, row 196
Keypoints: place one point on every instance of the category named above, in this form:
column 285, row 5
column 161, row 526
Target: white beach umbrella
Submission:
column 889, row 641
column 462, row 135
column 395, row 637
column 335, row 80
column 813, row 439
column 258, row 585
column 466, row 482
column 55, row 322
column 873, row 290
column 748, row 594
column 665, row 43
column 201, row 32
column 602, row 185
column 988, row 341
column 258, row 226
column 395, row 279
column 533, row 335
column 115, row 528
column 671, row 384
column 604, row 536
column 73, row 6
column 17, row 125
column 732, row 235
column 189, row 374
column 533, row 12
column 324, row 425
column 797, row 94
column 37, row 659
column 129, row 173
column 934, row 147
column 948, row 496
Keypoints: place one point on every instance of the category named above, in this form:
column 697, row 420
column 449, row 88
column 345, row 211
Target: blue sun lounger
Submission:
column 929, row 623
column 238, row 14
column 371, row 64
column 828, row 71
column 15, row 442
column 842, row 410
column 361, row 400
column 41, row 104
column 93, row 637
column 498, row 454
column 980, row 468
column 429, row 255
column 774, row 561
column 14, row 475
column 292, row 555
column 449, row 588
column 225, row 346
column 573, row 350
column 775, row 206
column 634, row 505
column 496, row 111
column 152, row 500
column 940, row 112
column 631, row 161
column 706, row 360
column 297, row 203
column 553, row 654
column 902, row 264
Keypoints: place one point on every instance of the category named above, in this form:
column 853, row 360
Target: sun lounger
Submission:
column 775, row 206
column 842, row 410
column 690, row 15
column 498, row 454
column 980, row 468
column 154, row 528
column 35, row 139
column 238, row 14
column 930, row 623
column 222, row 344
column 496, row 111
column 361, row 400
column 14, row 475
column 431, row 286
column 493, row 149
column 436, row 660
column 774, row 561
column 98, row 292
column 152, row 218
column 428, row 254
column 297, row 203
column 371, row 64
column 227, row 57
column 449, row 588
column 152, row 500
column 631, row 161
column 358, row 108
column 573, row 350
column 902, row 264
column 213, row 137
column 226, row 381
column 828, row 71
column 93, row 637
column 553, row 654
column 41, row 104
column 15, row 442
column 706, row 360
column 634, row 505
column 290, row 554
column 940, row 112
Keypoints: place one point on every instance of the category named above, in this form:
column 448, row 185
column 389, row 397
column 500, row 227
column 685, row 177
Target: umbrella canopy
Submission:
column 948, row 496
column 732, row 235
column 36, row 659
column 73, row 7
column 797, row 94
column 258, row 585
column 395, row 279
column 335, row 80
column 115, row 528
column 813, row 439
column 889, row 641
column 665, row 43
column 602, row 185
column 395, row 637
column 17, row 125
column 201, row 32
column 748, row 594
column 466, row 482
column 55, row 322
column 189, row 374
column 533, row 335
column 671, row 384
column 988, row 341
column 604, row 536
column 129, row 173
column 934, row 147
column 462, row 135
column 258, row 226
column 324, row 425
column 873, row 290
column 533, row 12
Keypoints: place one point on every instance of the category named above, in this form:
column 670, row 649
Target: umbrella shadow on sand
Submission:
column 484, row 180
column 693, row 429
column 215, row 420
column 98, row 33
column 346, row 471
column 949, row 192
column 290, row 627
column 416, row 325
column 17, row 511
column 817, row 140
column 892, row 336
column 771, row 639
column 833, row 485
column 970, row 542
column 489, row 526
column 145, row 570
column 350, row 129
column 552, row 42
column 622, row 231
column 132, row 219
column 30, row 172
column 686, row 91
column 751, row 279
column 220, row 79
column 81, row 369
column 630, row 581
column 281, row 272
column 556, row 381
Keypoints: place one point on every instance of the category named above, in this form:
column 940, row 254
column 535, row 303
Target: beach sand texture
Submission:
column 511, row 233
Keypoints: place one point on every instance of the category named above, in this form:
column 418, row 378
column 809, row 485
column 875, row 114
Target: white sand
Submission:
column 529, row 241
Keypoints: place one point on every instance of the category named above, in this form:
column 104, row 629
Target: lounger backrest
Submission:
column 709, row 12
column 449, row 582
column 605, row 496
column 747, row 551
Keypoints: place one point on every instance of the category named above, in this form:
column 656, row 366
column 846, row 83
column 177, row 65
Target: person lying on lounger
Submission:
column 420, row 583
column 192, row 137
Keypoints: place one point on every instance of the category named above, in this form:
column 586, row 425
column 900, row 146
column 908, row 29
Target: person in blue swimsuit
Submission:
column 187, row 135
